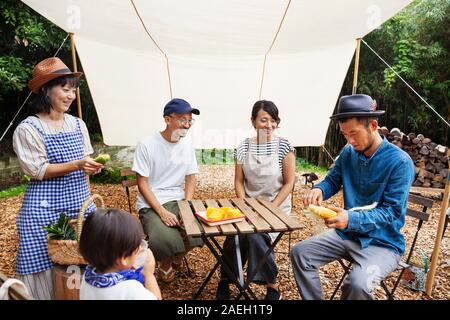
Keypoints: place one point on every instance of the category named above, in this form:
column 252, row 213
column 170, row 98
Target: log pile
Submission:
column 431, row 159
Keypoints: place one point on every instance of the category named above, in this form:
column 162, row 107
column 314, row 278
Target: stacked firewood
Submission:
column 431, row 159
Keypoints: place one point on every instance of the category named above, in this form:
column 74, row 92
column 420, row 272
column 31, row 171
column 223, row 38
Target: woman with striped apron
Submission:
column 265, row 168
column 62, row 187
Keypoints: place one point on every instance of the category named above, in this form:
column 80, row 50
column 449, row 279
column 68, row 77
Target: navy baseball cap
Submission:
column 179, row 106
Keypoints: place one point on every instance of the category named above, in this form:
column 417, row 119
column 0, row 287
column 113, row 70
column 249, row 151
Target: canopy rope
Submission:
column 395, row 72
column 328, row 153
column 156, row 44
column 29, row 94
column 270, row 48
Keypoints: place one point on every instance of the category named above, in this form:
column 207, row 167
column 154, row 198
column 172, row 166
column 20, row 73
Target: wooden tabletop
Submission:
column 261, row 216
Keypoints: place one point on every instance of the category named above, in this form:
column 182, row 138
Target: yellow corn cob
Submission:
column 322, row 212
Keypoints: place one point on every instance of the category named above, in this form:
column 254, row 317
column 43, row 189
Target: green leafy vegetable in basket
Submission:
column 61, row 230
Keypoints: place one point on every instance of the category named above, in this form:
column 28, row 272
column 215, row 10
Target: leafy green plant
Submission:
column 303, row 165
column 61, row 230
column 215, row 156
column 13, row 191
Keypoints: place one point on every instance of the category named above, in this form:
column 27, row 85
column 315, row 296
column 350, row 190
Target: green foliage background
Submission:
column 416, row 44
column 25, row 39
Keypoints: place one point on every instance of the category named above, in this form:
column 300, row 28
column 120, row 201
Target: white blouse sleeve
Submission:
column 30, row 150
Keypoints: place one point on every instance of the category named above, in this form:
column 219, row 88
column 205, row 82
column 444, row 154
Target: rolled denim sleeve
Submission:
column 393, row 203
column 333, row 181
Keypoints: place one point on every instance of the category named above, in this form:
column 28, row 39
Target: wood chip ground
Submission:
column 217, row 182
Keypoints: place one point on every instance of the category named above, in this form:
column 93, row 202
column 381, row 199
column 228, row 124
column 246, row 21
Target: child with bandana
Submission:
column 111, row 242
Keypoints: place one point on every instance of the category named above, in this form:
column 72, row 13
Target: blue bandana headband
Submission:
column 105, row 280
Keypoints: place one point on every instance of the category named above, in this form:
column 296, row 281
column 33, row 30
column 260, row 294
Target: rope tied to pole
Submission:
column 407, row 84
column 328, row 153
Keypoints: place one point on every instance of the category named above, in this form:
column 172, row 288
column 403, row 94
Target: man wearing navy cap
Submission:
column 376, row 176
column 164, row 162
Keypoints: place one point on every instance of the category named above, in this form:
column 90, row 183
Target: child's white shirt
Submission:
column 125, row 290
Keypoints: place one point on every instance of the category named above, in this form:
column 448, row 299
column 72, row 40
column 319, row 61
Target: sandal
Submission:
column 177, row 266
column 166, row 276
column 177, row 263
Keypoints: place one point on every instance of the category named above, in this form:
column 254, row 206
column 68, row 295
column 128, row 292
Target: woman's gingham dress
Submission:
column 45, row 200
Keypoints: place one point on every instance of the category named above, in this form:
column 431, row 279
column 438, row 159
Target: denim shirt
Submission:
column 385, row 178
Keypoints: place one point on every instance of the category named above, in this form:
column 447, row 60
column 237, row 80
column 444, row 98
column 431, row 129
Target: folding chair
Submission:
column 447, row 219
column 310, row 177
column 421, row 216
column 127, row 183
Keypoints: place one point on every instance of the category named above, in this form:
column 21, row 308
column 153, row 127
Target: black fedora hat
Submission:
column 357, row 105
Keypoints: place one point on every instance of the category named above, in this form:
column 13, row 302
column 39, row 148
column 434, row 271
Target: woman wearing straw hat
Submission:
column 53, row 148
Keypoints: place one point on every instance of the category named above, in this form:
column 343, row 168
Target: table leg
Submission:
column 226, row 268
column 261, row 263
column 199, row 291
column 239, row 259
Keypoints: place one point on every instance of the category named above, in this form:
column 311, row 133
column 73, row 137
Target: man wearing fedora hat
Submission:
column 164, row 162
column 53, row 148
column 376, row 176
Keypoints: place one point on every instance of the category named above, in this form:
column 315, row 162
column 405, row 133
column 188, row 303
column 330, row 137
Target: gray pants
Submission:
column 370, row 265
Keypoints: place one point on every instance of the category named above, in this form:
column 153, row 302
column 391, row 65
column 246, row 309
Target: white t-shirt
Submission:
column 166, row 165
column 125, row 290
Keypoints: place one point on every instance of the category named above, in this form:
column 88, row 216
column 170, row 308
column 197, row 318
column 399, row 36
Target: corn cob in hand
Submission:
column 322, row 212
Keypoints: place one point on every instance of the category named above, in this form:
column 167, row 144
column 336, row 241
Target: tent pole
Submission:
column 75, row 69
column 438, row 239
column 355, row 72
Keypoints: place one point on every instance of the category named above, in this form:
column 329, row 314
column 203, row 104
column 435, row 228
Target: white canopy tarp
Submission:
column 215, row 53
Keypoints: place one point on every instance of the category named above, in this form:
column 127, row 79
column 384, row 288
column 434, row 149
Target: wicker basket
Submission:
column 65, row 252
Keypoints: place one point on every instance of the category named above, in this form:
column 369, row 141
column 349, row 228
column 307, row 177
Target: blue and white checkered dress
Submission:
column 45, row 200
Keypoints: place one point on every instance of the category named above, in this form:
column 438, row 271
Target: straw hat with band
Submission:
column 47, row 70
column 357, row 105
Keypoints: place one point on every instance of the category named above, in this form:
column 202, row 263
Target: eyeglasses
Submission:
column 184, row 121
